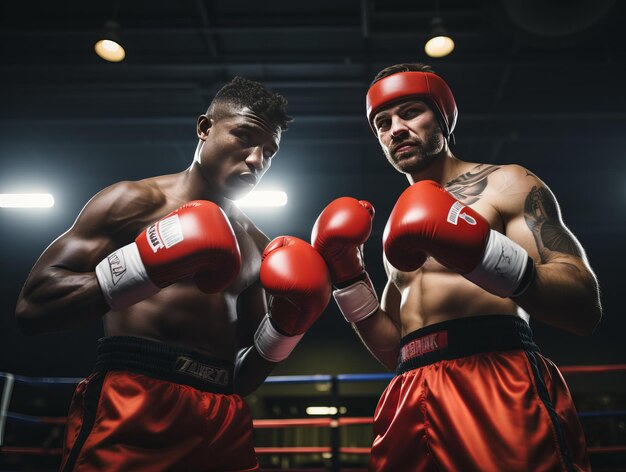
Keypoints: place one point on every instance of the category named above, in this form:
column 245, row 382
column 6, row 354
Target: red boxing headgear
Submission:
column 424, row 85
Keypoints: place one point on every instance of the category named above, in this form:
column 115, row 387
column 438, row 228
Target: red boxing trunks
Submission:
column 150, row 406
column 474, row 394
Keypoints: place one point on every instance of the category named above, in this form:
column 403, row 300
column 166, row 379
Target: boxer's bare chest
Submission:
column 434, row 291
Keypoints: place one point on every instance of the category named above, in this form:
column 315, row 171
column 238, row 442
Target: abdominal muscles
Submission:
column 433, row 294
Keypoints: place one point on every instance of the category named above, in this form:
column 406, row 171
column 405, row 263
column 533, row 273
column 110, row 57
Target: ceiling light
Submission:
column 440, row 43
column 109, row 47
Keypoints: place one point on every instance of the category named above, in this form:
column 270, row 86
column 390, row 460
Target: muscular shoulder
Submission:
column 512, row 178
column 482, row 180
column 513, row 187
column 124, row 207
column 499, row 192
column 239, row 219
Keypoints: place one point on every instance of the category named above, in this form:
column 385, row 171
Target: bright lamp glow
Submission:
column 321, row 410
column 26, row 200
column 439, row 46
column 110, row 50
column 263, row 199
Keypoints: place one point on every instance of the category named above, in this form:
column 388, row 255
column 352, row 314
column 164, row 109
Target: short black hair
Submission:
column 240, row 93
column 406, row 67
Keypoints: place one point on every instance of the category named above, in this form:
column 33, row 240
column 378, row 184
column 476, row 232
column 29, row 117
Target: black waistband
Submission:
column 165, row 362
column 463, row 337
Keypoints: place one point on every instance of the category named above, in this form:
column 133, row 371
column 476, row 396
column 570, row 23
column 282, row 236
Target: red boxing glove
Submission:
column 195, row 238
column 296, row 276
column 338, row 234
column 427, row 220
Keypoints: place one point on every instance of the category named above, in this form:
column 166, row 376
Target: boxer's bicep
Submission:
column 94, row 234
column 537, row 225
column 61, row 289
column 542, row 216
column 565, row 291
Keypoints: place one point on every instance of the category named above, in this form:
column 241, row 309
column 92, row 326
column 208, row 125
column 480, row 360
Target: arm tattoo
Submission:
column 468, row 187
column 541, row 213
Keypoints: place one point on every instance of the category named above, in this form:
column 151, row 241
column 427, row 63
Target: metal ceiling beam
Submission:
column 47, row 70
column 318, row 118
column 365, row 17
column 206, row 31
column 159, row 31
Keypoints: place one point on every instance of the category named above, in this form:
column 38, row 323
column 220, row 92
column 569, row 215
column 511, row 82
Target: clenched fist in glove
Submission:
column 427, row 220
column 338, row 234
column 196, row 239
column 297, row 278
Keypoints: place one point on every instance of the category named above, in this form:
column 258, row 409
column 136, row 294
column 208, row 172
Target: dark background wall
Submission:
column 541, row 85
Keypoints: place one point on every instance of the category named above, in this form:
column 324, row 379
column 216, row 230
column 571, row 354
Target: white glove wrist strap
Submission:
column 357, row 301
column 502, row 266
column 272, row 345
column 123, row 278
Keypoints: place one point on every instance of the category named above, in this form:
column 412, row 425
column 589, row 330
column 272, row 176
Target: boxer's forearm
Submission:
column 564, row 295
column 381, row 337
column 59, row 299
column 251, row 370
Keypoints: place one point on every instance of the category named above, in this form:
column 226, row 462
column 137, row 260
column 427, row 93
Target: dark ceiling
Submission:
column 538, row 83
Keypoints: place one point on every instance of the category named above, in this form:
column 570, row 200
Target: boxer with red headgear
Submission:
column 472, row 251
column 181, row 278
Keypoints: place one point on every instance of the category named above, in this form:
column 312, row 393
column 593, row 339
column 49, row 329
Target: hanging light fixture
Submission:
column 110, row 47
column 440, row 43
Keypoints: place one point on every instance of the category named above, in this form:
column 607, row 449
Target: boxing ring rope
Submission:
column 334, row 422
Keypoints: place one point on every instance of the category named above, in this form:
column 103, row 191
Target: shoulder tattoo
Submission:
column 468, row 187
column 542, row 216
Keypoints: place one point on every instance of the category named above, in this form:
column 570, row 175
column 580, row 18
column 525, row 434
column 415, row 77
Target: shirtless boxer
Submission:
column 179, row 276
column 471, row 252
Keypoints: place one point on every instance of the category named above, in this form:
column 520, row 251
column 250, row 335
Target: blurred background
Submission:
column 537, row 83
